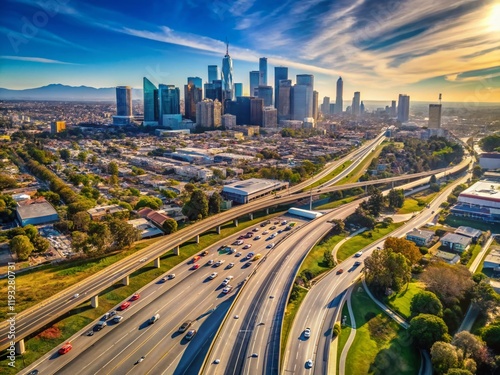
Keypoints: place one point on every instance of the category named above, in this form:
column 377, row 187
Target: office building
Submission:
column 196, row 81
column 266, row 93
column 170, row 102
column 315, row 104
column 213, row 90
column 213, row 73
column 481, row 201
column 339, row 106
column 362, row 108
column 403, row 108
column 238, row 89
column 208, row 113
column 151, row 112
column 227, row 76
column 302, row 97
column 269, row 117
column 434, row 116
column 263, row 71
column 123, row 106
column 280, row 74
column 256, row 110
column 241, row 108
column 254, row 82
column 393, row 109
column 228, row 121
column 355, row 103
column 285, row 93
column 325, row 107
column 192, row 95
column 57, row 127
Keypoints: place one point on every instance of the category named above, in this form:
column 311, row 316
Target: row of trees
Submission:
column 24, row 241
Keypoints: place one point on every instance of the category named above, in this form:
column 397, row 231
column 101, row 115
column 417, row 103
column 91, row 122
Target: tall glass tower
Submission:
column 263, row 71
column 339, row 107
column 280, row 73
column 213, row 73
column 150, row 102
column 227, row 75
column 124, row 101
column 254, row 82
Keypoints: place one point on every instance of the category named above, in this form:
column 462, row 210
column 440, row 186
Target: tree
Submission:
column 81, row 221
column 169, row 194
column 189, row 187
column 459, row 371
column 491, row 335
column 123, row 233
column 426, row 329
column 80, row 241
column 214, row 203
column 471, row 345
column 7, row 182
column 197, row 206
column 65, row 154
column 375, row 203
column 151, row 202
column 169, row 226
column 40, row 243
column 433, row 179
column 444, row 356
column 330, row 262
column 30, row 231
column 449, row 283
column 113, row 168
column 100, row 237
column 396, row 198
column 51, row 197
column 338, row 226
column 485, row 297
column 405, row 247
column 386, row 269
column 426, row 303
column 22, row 246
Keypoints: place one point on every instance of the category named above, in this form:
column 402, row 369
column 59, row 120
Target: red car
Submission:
column 135, row 297
column 65, row 348
column 340, row 271
column 195, row 266
column 124, row 305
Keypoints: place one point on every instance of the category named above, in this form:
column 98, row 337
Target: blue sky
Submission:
column 380, row 48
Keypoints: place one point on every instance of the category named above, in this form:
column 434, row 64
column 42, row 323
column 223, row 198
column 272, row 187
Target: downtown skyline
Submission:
column 381, row 50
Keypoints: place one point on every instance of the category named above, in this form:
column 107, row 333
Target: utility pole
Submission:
column 310, row 199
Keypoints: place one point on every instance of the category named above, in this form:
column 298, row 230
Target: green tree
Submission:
column 22, row 246
column 386, row 269
column 329, row 261
column 65, row 154
column 169, row 194
column 405, row 247
column 491, row 335
column 80, row 242
column 426, row 303
column 214, row 203
column 426, row 329
column 100, row 237
column 124, row 234
column 490, row 143
column 396, row 198
column 485, row 297
column 189, row 187
column 31, row 231
column 458, row 371
column 151, row 202
column 51, row 197
column 169, row 226
column 444, row 356
column 113, row 168
column 375, row 203
column 7, row 182
column 81, row 221
column 40, row 243
column 196, row 207
column 433, row 179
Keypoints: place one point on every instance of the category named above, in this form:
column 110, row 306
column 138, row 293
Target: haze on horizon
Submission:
column 380, row 49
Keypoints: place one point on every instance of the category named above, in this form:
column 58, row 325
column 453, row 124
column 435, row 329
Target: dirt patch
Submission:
column 50, row 333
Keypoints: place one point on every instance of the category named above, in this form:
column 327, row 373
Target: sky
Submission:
column 380, row 48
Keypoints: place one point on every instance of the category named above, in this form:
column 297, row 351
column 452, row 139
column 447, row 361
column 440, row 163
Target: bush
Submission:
column 423, row 250
column 336, row 330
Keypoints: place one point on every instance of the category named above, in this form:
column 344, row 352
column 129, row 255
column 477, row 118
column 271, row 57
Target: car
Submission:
column 100, row 325
column 307, row 332
column 191, row 333
column 340, row 271
column 242, row 237
column 112, row 313
column 65, row 348
column 117, row 319
column 124, row 306
column 238, row 255
column 90, row 333
column 222, row 247
column 255, row 355
column 195, row 266
column 284, row 222
column 185, row 325
column 227, row 280
column 76, row 295
column 257, row 257
column 213, row 275
column 309, row 363
column 249, row 255
column 273, row 235
column 247, row 246
column 106, row 316
column 219, row 263
column 238, row 242
column 34, row 372
column 211, row 262
column 217, row 361
column 257, row 238
column 265, row 232
column 270, row 246
column 276, row 222
column 227, row 289
column 357, row 263
column 280, row 231
column 230, row 265
column 195, row 258
column 255, row 229
column 272, row 228
column 249, row 235
column 154, row 318
column 358, row 254
column 135, row 297
column 432, row 212
column 247, row 264
column 204, row 253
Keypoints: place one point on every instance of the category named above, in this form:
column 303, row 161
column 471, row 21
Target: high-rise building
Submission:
column 256, row 110
column 302, row 97
column 228, row 121
column 355, row 103
column 339, row 106
column 434, row 116
column 227, row 76
column 150, row 92
column 57, row 127
column 213, row 73
column 403, row 108
column 269, row 117
column 315, row 104
column 123, row 106
column 325, row 107
column 208, row 113
column 196, row 81
column 263, row 71
column 213, row 90
column 170, row 100
column 362, row 108
column 285, row 92
column 280, row 73
column 254, row 82
column 192, row 95
column 238, row 89
column 266, row 93
column 393, row 109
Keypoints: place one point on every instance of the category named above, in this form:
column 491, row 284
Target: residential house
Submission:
column 456, row 242
column 420, row 237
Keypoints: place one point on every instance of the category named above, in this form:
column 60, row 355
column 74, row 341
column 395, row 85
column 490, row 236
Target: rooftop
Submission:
column 251, row 186
column 426, row 234
column 32, row 209
column 468, row 232
column 456, row 238
column 487, row 190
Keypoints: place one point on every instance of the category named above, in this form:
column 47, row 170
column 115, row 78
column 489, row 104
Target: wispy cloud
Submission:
column 36, row 60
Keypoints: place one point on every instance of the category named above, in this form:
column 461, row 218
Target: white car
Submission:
column 117, row 319
column 227, row 289
column 238, row 242
column 238, row 255
column 309, row 363
column 265, row 232
column 247, row 246
column 307, row 332
column 270, row 246
column 227, row 280
column 230, row 265
column 358, row 254
column 219, row 263
column 213, row 275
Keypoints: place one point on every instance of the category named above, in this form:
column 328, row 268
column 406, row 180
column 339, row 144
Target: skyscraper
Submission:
column 254, row 82
column 266, row 93
column 339, row 106
column 355, row 103
column 170, row 99
column 284, row 109
column 315, row 104
column 393, row 109
column 192, row 95
column 403, row 108
column 325, row 107
column 123, row 106
column 303, row 97
column 196, row 81
column 213, row 90
column 361, row 108
column 256, row 110
column 263, row 71
column 227, row 76
column 434, row 116
column 280, row 73
column 213, row 73
column 150, row 102
column 208, row 113
column 238, row 89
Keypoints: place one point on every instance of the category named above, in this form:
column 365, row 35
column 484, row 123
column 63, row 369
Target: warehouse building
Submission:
column 253, row 188
column 480, row 201
column 36, row 212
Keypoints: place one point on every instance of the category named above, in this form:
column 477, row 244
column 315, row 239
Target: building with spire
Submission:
column 227, row 76
column 339, row 106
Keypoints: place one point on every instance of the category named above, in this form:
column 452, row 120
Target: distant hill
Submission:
column 65, row 93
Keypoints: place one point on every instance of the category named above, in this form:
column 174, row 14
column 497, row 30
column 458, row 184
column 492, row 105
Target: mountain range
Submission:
column 61, row 92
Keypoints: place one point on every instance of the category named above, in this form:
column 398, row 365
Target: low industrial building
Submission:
column 420, row 237
column 480, row 201
column 489, row 160
column 307, row 214
column 455, row 242
column 36, row 212
column 253, row 188
column 147, row 229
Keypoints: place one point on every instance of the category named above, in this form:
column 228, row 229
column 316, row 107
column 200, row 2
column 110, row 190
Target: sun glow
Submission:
column 494, row 18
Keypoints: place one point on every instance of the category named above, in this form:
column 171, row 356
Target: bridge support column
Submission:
column 20, row 347
column 235, row 222
column 197, row 238
column 126, row 281
column 218, row 229
column 251, row 216
column 177, row 251
column 94, row 301
column 157, row 262
column 267, row 211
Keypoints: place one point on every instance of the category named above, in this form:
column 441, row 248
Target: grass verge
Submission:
column 331, row 175
column 344, row 335
column 456, row 222
column 364, row 239
column 362, row 167
column 314, row 261
column 400, row 302
column 381, row 346
column 417, row 202
column 291, row 310
column 336, row 204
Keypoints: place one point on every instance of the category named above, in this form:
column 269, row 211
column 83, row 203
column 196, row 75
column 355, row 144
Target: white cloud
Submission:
column 36, row 59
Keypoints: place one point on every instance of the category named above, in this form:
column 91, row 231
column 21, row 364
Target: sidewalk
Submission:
column 352, row 335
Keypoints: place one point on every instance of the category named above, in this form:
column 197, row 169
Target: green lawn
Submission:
column 364, row 239
column 474, row 250
column 331, row 205
column 331, row 175
column 417, row 202
column 400, row 302
column 381, row 346
column 291, row 310
column 314, row 261
column 344, row 335
column 360, row 170
column 455, row 222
